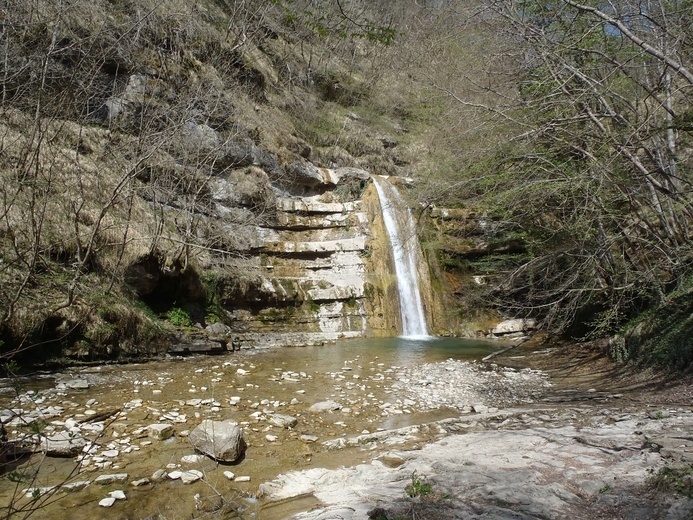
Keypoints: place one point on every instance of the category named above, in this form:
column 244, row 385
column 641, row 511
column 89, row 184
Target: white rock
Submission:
column 107, row 502
column 74, row 486
column 190, row 476
column 325, row 406
column 118, row 494
column 282, row 421
column 109, row 479
column 160, row 432
column 192, row 459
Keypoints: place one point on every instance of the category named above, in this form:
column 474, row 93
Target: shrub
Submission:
column 179, row 317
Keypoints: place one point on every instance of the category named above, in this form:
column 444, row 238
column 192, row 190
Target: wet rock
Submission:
column 209, row 504
column 76, row 384
column 325, row 406
column 160, row 432
column 190, row 476
column 282, row 421
column 159, row 474
column 110, row 479
column 76, row 486
column 192, row 459
column 63, row 444
column 220, row 440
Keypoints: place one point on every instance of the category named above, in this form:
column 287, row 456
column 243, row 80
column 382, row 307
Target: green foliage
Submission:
column 14, row 476
column 419, row 487
column 11, row 368
column 605, row 489
column 675, row 478
column 38, row 426
column 662, row 335
column 179, row 317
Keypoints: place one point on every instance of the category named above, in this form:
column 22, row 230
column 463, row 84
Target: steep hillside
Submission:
column 148, row 148
column 171, row 168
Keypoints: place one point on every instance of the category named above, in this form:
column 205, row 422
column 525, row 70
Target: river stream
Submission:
column 369, row 379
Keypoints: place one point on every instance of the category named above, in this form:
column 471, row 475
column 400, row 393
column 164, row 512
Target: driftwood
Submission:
column 506, row 349
column 100, row 416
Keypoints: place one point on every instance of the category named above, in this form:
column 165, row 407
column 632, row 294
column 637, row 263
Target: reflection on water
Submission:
column 401, row 351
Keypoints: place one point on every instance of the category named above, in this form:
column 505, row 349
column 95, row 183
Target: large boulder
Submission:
column 220, row 440
column 511, row 328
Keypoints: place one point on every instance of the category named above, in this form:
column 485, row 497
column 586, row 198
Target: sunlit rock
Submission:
column 220, row 440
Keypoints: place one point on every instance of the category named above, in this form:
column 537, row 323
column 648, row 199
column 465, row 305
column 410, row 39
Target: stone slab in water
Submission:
column 63, row 445
column 282, row 421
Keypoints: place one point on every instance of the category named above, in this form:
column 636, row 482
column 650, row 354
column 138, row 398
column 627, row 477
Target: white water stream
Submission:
column 407, row 257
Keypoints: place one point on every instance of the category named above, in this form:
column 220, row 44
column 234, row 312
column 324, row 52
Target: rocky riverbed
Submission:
column 341, row 432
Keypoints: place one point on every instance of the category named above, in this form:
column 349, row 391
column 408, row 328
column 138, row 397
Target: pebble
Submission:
column 242, row 479
column 229, row 475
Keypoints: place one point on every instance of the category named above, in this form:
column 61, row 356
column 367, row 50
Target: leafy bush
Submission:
column 179, row 317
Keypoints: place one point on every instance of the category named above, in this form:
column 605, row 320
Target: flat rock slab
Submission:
column 600, row 471
column 63, row 444
column 325, row 406
column 110, row 479
column 282, row 421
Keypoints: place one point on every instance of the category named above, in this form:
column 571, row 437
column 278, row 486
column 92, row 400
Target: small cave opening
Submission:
column 168, row 287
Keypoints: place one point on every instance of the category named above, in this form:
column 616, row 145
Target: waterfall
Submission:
column 406, row 252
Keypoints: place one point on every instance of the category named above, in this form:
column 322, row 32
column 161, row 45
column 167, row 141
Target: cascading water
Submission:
column 401, row 230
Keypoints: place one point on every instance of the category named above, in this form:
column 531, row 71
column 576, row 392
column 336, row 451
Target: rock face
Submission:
column 220, row 440
column 306, row 282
